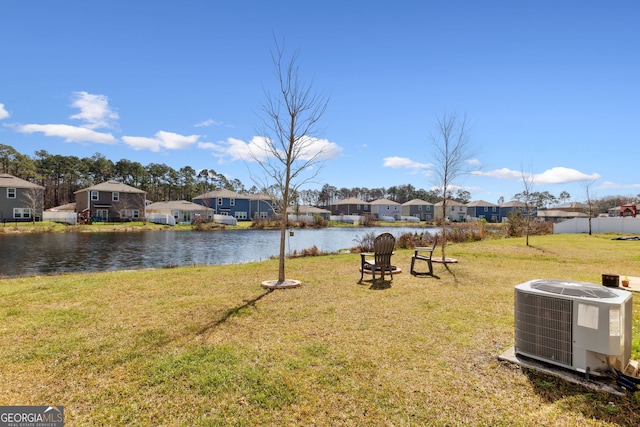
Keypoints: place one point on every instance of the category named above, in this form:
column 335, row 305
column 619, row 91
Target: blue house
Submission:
column 482, row 209
column 512, row 206
column 243, row 207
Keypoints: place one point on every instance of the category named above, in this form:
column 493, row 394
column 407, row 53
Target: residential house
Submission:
column 385, row 208
column 111, row 201
column 418, row 208
column 350, row 206
column 20, row 200
column 558, row 215
column 456, row 211
column 309, row 211
column 623, row 210
column 515, row 205
column 484, row 210
column 181, row 210
column 243, row 207
column 563, row 212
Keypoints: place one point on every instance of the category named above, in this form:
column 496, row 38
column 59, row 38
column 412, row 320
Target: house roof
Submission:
column 555, row 213
column 572, row 205
column 306, row 209
column 383, row 202
column 112, row 186
column 350, row 201
column 451, row 203
column 177, row 205
column 514, row 204
column 69, row 207
column 221, row 193
column 417, row 202
column 480, row 203
column 7, row 180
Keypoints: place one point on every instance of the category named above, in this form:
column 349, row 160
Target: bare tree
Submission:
column 33, row 199
column 451, row 145
column 591, row 204
column 289, row 154
column 528, row 179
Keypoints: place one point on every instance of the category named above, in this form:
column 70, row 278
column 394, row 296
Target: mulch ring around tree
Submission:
column 286, row 284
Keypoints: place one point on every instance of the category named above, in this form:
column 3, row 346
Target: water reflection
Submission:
column 46, row 253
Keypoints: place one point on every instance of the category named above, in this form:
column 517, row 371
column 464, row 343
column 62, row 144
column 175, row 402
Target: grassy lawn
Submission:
column 207, row 346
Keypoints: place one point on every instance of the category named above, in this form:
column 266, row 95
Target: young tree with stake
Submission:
column 289, row 152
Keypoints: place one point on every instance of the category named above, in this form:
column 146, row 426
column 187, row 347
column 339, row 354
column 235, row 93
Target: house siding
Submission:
column 23, row 191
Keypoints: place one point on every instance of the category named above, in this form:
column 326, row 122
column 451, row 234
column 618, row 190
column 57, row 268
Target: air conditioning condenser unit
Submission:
column 575, row 325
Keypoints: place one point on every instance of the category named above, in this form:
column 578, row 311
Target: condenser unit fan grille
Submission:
column 543, row 327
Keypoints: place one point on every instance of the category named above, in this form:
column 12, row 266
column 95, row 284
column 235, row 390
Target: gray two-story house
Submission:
column 418, row 208
column 20, row 200
column 111, row 201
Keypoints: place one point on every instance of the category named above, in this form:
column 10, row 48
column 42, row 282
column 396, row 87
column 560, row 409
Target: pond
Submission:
column 48, row 253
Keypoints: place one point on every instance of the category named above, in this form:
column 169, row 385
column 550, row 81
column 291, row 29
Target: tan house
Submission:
column 111, row 201
column 181, row 210
column 456, row 211
column 20, row 200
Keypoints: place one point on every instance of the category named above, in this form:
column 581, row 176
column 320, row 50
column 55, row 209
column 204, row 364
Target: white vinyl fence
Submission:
column 64, row 217
column 628, row 225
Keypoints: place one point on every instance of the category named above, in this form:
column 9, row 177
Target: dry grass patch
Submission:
column 206, row 346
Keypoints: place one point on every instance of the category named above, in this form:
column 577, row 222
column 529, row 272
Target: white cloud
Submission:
column 473, row 162
column 503, row 173
column 555, row 175
column 258, row 149
column 69, row 133
column 404, row 163
column 561, row 175
column 3, row 113
column 611, row 185
column 161, row 140
column 208, row 122
column 94, row 110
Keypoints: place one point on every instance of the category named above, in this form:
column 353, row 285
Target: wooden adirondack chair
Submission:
column 380, row 258
column 424, row 254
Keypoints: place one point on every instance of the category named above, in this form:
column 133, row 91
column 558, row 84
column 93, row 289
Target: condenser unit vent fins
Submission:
column 573, row 289
column 543, row 327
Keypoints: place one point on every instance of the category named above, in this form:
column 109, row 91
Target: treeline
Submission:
column 62, row 176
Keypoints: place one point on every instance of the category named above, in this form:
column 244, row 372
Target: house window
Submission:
column 219, row 200
column 176, row 214
column 102, row 214
column 95, row 195
column 419, row 207
column 11, row 193
column 486, row 209
column 21, row 213
column 115, row 196
column 232, row 202
column 264, row 215
column 241, row 215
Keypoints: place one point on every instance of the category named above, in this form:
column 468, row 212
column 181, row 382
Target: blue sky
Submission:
column 551, row 88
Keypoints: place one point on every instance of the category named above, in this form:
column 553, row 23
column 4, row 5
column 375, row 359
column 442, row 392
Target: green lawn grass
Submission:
column 207, row 346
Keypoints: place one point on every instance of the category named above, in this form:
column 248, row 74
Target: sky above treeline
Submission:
column 549, row 88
